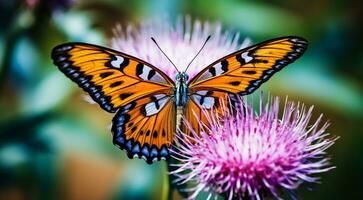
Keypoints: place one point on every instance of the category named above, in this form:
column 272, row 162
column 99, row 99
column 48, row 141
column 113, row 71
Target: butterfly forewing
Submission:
column 139, row 92
column 239, row 73
column 244, row 71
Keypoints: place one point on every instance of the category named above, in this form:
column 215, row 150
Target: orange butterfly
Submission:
column 149, row 105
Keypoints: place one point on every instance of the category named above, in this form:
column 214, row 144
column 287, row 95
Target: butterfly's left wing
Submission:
column 140, row 93
column 241, row 72
column 145, row 127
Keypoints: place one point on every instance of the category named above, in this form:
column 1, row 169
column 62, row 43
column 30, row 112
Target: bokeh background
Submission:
column 54, row 145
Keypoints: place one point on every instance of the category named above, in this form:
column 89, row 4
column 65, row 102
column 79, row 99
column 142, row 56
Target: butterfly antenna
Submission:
column 197, row 53
column 164, row 53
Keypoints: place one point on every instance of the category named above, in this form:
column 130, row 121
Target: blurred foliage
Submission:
column 53, row 145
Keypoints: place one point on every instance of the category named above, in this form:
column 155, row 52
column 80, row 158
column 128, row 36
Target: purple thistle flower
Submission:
column 253, row 151
column 180, row 42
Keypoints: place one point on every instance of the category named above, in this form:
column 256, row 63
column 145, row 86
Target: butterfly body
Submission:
column 180, row 96
column 181, row 89
column 149, row 105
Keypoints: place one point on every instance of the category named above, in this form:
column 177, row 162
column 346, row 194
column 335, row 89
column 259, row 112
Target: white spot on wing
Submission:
column 246, row 57
column 208, row 74
column 208, row 102
column 116, row 63
column 145, row 72
column 143, row 157
column 156, row 77
column 151, row 109
column 218, row 68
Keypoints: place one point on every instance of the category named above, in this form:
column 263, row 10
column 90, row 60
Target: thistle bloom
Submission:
column 254, row 152
column 180, row 42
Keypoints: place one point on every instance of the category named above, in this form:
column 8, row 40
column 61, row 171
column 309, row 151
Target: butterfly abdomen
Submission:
column 179, row 116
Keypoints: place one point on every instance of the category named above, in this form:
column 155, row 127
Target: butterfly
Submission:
column 148, row 103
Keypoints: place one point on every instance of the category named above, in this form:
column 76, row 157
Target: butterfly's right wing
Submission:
column 239, row 73
column 243, row 71
column 202, row 103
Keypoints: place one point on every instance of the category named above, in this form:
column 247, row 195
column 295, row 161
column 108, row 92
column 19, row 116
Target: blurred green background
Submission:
column 54, row 145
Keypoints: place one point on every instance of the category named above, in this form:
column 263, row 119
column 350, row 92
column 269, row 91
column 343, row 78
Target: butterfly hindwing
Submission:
column 112, row 79
column 244, row 71
column 145, row 128
column 202, row 102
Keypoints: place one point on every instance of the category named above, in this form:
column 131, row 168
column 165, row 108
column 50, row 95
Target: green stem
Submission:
column 167, row 187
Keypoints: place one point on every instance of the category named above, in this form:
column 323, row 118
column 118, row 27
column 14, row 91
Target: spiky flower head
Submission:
column 254, row 152
column 180, row 42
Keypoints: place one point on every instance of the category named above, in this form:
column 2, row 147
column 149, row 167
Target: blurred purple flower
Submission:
column 254, row 151
column 180, row 42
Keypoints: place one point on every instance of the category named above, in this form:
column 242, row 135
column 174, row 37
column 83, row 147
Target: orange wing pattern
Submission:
column 145, row 128
column 244, row 71
column 239, row 73
column 140, row 93
column 201, row 103
column 113, row 79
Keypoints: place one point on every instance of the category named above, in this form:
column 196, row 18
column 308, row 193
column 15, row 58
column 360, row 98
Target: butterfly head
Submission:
column 182, row 77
